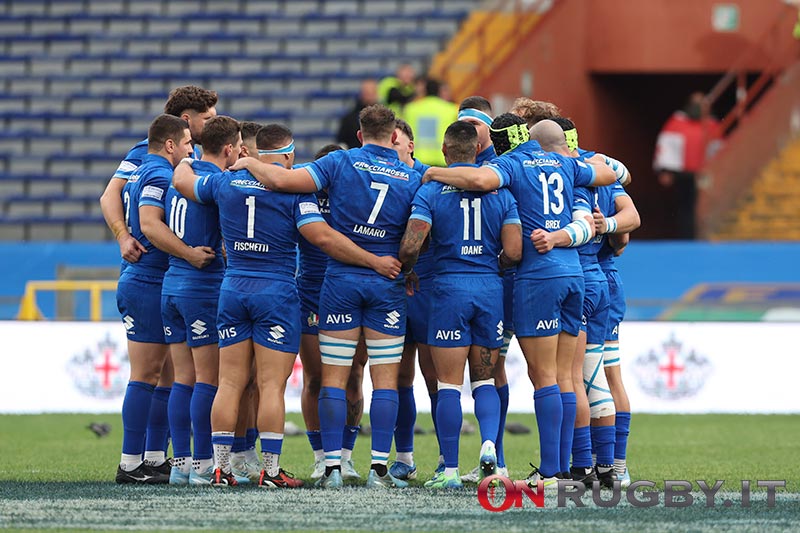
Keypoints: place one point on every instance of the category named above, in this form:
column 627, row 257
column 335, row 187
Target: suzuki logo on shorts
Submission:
column 276, row 332
column 198, row 327
column 392, row 318
column 500, row 328
column 127, row 320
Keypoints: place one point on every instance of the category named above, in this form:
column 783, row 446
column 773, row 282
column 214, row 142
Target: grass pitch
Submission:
column 56, row 475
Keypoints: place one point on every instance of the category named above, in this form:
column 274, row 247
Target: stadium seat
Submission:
column 82, row 85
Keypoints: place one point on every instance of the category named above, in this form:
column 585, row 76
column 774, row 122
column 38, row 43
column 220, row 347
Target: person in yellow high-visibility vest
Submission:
column 398, row 90
column 429, row 117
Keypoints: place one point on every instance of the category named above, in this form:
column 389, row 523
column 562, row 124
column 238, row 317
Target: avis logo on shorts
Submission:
column 547, row 324
column 339, row 319
column 226, row 333
column 448, row 335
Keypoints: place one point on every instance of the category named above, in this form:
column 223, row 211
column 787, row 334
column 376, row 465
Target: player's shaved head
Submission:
column 534, row 110
column 550, row 135
column 219, row 132
column 273, row 136
column 163, row 128
column 377, row 122
column 460, row 142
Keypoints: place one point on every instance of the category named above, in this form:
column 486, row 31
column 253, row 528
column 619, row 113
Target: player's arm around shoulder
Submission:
column 151, row 219
column 483, row 178
column 621, row 172
column 184, row 179
column 278, row 178
column 342, row 249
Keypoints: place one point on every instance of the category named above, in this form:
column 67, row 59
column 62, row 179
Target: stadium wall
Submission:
column 667, row 368
column 580, row 55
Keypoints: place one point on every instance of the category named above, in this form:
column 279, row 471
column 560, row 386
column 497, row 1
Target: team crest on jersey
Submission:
column 672, row 371
column 100, row 370
column 313, row 319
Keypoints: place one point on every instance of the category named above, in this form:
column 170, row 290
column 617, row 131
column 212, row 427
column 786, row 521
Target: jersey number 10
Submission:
column 177, row 216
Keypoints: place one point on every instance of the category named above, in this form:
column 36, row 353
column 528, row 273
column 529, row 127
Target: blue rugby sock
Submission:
column 200, row 408
column 569, row 405
column 383, row 417
column 623, row 425
column 582, row 448
column 251, row 437
column 549, row 412
column 406, row 418
column 158, row 421
column 449, row 417
column 502, row 393
column 487, row 411
column 349, row 436
column 332, row 417
column 314, row 439
column 135, row 413
column 603, row 438
column 180, row 420
column 434, row 402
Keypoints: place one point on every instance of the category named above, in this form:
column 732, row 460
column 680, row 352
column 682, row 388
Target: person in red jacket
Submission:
column 686, row 142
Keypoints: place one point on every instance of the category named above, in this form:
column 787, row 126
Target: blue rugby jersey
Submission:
column 259, row 226
column 197, row 225
column 543, row 184
column 607, row 203
column 465, row 226
column 147, row 185
column 370, row 193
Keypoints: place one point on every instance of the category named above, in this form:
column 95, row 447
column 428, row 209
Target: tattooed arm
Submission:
column 416, row 232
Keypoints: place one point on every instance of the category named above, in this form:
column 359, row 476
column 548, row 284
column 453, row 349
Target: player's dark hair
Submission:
column 405, row 127
column 189, row 97
column 500, row 139
column 219, row 132
column 162, row 128
column 564, row 122
column 250, row 129
column 476, row 102
column 377, row 122
column 273, row 136
column 461, row 142
column 534, row 111
column 325, row 150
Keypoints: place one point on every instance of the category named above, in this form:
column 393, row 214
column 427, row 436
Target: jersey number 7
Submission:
column 383, row 189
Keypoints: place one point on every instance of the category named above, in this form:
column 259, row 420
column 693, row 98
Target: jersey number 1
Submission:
column 250, row 202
